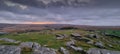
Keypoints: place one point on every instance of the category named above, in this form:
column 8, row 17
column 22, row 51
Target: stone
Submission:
column 59, row 37
column 101, row 51
column 68, row 44
column 75, row 35
column 99, row 44
column 77, row 48
column 44, row 50
column 64, row 51
column 93, row 51
column 9, row 40
column 84, row 39
column 30, row 45
column 45, row 45
column 65, row 36
column 3, row 33
column 26, row 45
column 37, row 48
column 90, row 42
column 93, row 36
column 4, row 49
column 71, row 45
column 118, row 42
column 110, row 46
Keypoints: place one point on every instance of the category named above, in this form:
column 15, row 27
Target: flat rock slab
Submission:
column 101, row 51
column 77, row 48
column 26, row 45
column 37, row 48
column 9, row 40
column 59, row 36
column 68, row 44
column 99, row 44
column 64, row 51
column 93, row 36
column 75, row 35
column 10, row 50
column 44, row 50
column 3, row 33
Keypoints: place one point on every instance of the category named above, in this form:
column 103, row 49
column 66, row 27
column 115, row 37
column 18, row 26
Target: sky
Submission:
column 93, row 12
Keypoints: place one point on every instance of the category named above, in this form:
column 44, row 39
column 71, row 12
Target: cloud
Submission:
column 15, row 5
column 86, row 3
column 67, row 16
column 40, row 23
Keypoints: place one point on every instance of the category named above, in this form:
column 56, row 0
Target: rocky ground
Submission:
column 59, row 42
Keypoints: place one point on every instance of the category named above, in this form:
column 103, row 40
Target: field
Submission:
column 48, row 38
column 113, row 32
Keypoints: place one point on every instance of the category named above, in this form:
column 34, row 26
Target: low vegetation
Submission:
column 113, row 32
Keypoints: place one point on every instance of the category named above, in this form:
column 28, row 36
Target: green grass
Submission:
column 7, row 43
column 113, row 32
column 111, row 40
column 43, row 39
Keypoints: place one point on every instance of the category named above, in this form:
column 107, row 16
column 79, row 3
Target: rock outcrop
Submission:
column 71, row 45
column 68, row 44
column 75, row 35
column 99, row 44
column 64, row 51
column 26, row 45
column 61, row 36
column 44, row 50
column 79, row 49
column 84, row 39
column 90, row 42
column 4, row 49
column 101, row 51
column 37, row 48
column 9, row 40
column 3, row 33
column 93, row 36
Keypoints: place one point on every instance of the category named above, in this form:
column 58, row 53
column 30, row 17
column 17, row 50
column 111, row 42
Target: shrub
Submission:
column 69, row 27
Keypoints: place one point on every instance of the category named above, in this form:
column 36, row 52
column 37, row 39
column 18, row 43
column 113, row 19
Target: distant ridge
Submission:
column 4, row 26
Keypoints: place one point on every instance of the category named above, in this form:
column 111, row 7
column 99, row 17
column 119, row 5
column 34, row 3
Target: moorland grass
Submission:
column 47, row 38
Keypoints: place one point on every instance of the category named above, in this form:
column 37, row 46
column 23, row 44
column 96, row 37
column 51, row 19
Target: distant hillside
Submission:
column 38, row 27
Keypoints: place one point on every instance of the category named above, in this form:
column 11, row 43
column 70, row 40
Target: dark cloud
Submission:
column 59, row 3
column 14, row 11
column 74, row 16
column 108, row 3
